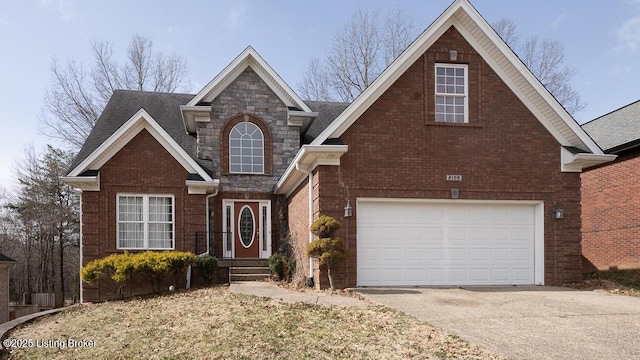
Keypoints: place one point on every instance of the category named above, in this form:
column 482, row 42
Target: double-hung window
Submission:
column 452, row 93
column 145, row 221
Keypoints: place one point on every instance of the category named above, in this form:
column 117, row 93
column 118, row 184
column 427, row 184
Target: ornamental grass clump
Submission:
column 327, row 249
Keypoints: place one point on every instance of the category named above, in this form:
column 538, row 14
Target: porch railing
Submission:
column 216, row 241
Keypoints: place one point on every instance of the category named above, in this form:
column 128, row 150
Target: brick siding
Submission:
column 142, row 166
column 396, row 150
column 611, row 214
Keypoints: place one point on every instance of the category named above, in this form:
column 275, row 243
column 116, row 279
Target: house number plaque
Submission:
column 454, row 177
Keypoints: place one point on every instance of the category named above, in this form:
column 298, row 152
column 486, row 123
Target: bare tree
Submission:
column 77, row 97
column 545, row 59
column 315, row 84
column 362, row 48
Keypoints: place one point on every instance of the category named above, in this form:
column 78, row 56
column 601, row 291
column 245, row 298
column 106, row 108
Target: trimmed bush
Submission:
column 327, row 249
column 281, row 266
column 153, row 265
column 324, row 226
column 206, row 266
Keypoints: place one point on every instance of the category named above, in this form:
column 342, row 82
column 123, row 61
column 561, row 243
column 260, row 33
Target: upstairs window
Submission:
column 246, row 149
column 145, row 222
column 451, row 93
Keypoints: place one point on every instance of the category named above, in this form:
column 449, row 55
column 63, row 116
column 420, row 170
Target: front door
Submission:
column 247, row 227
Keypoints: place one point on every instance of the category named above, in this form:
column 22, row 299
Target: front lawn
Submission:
column 216, row 324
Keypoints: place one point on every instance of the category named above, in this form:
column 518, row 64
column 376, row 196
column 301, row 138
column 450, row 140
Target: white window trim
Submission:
column 145, row 219
column 466, row 89
column 263, row 151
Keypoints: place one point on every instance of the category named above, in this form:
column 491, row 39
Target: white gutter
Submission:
column 310, row 185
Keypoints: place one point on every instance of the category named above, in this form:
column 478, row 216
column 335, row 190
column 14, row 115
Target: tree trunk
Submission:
column 60, row 288
column 330, row 277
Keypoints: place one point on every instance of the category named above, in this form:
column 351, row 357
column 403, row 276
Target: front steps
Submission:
column 246, row 269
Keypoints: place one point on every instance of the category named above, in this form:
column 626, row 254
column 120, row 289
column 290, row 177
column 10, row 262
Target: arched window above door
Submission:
column 246, row 149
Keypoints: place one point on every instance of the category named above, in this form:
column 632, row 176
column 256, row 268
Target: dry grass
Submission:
column 216, row 324
column 624, row 282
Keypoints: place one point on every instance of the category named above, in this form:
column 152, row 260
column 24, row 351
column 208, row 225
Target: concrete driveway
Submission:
column 526, row 322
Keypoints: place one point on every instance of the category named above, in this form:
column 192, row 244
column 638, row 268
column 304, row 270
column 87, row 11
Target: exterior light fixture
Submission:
column 453, row 55
column 558, row 213
column 455, row 193
column 348, row 210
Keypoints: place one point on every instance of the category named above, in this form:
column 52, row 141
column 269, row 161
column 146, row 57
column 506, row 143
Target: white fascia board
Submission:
column 527, row 74
column 139, row 121
column 308, row 158
column 191, row 114
column 224, row 73
column 577, row 162
column 301, row 119
column 82, row 183
column 250, row 57
column 196, row 187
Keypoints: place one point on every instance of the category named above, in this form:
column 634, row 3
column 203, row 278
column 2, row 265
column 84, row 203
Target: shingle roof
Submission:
column 5, row 258
column 616, row 128
column 327, row 112
column 163, row 107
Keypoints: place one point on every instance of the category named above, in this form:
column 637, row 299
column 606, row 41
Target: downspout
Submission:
column 206, row 200
column 309, row 174
column 80, row 262
column 215, row 193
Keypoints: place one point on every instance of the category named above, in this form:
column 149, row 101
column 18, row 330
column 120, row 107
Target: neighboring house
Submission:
column 453, row 165
column 611, row 193
column 5, row 264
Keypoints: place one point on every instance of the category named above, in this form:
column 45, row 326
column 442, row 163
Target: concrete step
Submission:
column 243, row 262
column 248, row 277
column 249, row 270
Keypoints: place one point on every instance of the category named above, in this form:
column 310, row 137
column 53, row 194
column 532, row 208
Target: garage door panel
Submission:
column 500, row 255
column 522, row 276
column 501, row 275
column 478, row 254
column 435, row 255
column 456, row 275
column 416, row 243
column 435, row 234
column 477, row 234
column 458, row 254
column 521, row 255
column 500, row 234
column 414, row 254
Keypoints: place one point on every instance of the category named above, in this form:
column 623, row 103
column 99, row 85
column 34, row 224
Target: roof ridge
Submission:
column 151, row 92
column 611, row 112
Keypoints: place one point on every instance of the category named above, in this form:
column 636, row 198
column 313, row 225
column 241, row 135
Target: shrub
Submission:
column 282, row 266
column 153, row 265
column 206, row 266
column 327, row 249
column 324, row 226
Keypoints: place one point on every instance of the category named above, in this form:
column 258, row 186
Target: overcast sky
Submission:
column 601, row 39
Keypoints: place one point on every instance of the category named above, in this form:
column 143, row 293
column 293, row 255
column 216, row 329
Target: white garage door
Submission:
column 452, row 243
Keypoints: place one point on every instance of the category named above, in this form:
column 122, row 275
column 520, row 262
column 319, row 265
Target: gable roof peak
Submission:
column 249, row 58
column 497, row 54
